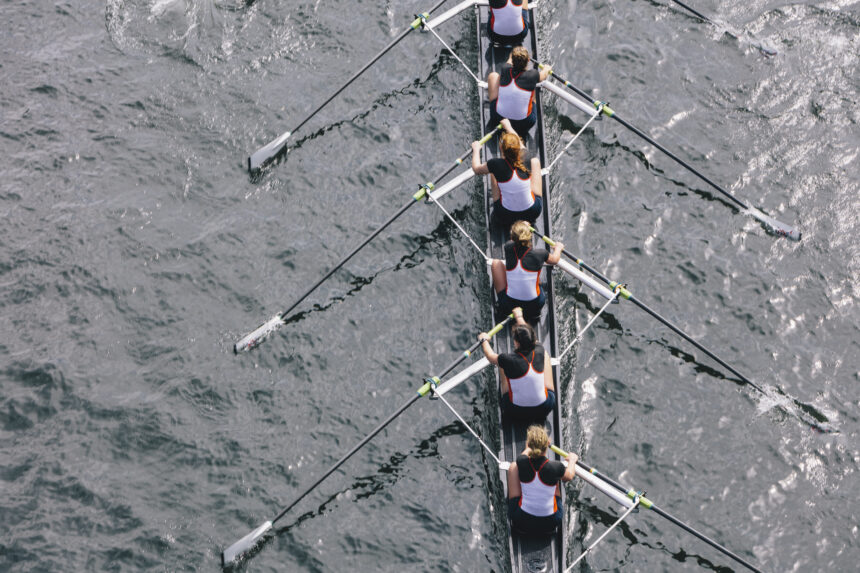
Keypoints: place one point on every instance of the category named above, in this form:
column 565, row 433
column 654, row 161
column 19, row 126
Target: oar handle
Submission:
column 490, row 135
column 558, row 450
column 425, row 389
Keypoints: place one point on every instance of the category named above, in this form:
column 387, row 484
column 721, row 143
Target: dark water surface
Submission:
column 135, row 249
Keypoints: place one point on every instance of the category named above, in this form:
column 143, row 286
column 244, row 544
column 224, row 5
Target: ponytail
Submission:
column 537, row 440
column 525, row 337
column 521, row 233
column 512, row 151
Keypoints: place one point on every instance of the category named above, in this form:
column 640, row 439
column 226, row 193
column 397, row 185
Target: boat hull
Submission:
column 527, row 553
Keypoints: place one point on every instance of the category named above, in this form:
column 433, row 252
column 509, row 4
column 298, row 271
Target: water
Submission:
column 136, row 250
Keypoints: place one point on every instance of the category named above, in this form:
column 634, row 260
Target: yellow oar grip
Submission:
column 559, row 451
column 489, row 136
column 546, row 239
column 498, row 328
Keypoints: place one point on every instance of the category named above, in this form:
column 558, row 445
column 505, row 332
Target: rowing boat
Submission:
column 527, row 553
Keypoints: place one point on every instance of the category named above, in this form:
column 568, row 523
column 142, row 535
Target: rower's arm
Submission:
column 555, row 254
column 478, row 167
column 570, row 470
column 545, row 72
column 492, row 357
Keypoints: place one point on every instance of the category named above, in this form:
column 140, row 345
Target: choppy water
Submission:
column 135, row 249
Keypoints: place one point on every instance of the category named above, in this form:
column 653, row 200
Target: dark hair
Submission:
column 519, row 59
column 524, row 335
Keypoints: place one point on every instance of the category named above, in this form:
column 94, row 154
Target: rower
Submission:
column 517, row 278
column 534, row 497
column 528, row 392
column 511, row 91
column 509, row 21
column 516, row 182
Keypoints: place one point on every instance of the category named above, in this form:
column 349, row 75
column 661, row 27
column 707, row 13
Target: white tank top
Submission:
column 507, row 20
column 522, row 284
column 514, row 102
column 538, row 498
column 516, row 193
column 529, row 389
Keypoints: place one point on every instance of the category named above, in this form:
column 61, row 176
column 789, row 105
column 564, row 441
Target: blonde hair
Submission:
column 537, row 440
column 519, row 58
column 511, row 147
column 521, row 232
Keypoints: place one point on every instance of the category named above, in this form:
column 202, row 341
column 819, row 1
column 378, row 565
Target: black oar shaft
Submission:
column 346, row 259
column 818, row 423
column 650, row 505
column 349, row 454
column 421, row 393
column 689, row 167
column 255, row 337
column 694, row 11
column 629, row 296
column 373, row 235
column 273, row 149
column 649, row 139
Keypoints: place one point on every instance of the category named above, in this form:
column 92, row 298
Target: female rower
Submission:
column 517, row 278
column 534, row 496
column 517, row 188
column 512, row 91
column 509, row 21
column 528, row 392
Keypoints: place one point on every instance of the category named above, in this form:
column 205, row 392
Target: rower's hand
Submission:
column 483, row 337
column 476, row 145
column 558, row 247
column 518, row 312
column 506, row 124
column 571, row 460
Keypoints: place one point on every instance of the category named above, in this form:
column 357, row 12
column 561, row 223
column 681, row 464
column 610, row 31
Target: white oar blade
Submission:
column 777, row 227
column 259, row 334
column 573, row 271
column 267, row 152
column 568, row 97
column 604, row 487
column 245, row 544
column 462, row 376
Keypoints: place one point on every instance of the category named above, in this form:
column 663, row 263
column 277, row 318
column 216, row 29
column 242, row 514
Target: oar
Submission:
column 777, row 227
column 820, row 423
column 272, row 149
column 256, row 336
column 762, row 48
column 250, row 540
column 648, row 504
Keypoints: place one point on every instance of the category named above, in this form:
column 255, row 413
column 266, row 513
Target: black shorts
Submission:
column 507, row 218
column 511, row 40
column 528, row 413
column 528, row 523
column 521, row 126
column 531, row 308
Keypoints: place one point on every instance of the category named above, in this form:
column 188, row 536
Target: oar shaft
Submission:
column 390, row 419
column 722, row 549
column 349, row 454
column 611, row 113
column 629, row 296
column 694, row 11
column 250, row 341
column 647, row 503
column 271, row 150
